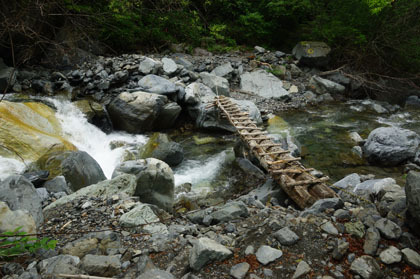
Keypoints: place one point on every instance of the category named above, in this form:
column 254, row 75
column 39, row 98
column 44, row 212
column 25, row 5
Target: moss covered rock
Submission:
column 160, row 147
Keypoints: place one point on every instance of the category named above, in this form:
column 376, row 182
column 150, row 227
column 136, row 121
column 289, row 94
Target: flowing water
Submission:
column 322, row 134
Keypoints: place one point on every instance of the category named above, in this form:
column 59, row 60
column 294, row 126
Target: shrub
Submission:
column 17, row 243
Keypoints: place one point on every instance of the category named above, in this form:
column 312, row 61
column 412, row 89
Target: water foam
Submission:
column 198, row 171
column 89, row 138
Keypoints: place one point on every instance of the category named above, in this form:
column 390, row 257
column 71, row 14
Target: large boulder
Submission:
column 121, row 185
column 218, row 84
column 160, row 147
column 95, row 114
column 412, row 191
column 390, row 146
column 313, row 54
column 197, row 98
column 155, row 181
column 10, row 220
column 78, row 168
column 263, row 84
column 138, row 112
column 19, row 193
column 157, row 84
column 29, row 130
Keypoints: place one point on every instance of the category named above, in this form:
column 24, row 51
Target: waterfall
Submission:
column 89, row 138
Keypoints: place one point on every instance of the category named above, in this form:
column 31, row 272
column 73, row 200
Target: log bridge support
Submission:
column 296, row 180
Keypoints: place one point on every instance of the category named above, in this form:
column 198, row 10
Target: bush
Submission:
column 17, row 243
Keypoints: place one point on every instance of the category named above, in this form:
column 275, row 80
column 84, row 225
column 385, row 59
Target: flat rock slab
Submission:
column 206, row 250
column 263, row 84
column 286, row 236
column 267, row 254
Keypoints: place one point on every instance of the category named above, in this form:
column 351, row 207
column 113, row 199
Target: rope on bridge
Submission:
column 296, row 180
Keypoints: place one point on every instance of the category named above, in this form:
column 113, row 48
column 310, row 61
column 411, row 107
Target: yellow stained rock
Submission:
column 29, row 130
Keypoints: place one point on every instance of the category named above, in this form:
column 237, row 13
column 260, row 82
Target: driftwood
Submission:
column 296, row 180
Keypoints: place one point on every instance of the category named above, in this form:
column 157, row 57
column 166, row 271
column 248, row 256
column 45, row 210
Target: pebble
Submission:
column 329, row 228
column 240, row 270
column 391, row 255
column 302, row 269
column 267, row 254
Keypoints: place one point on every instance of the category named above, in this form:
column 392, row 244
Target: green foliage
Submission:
column 16, row 243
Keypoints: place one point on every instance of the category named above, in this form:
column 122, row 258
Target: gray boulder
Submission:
column 169, row 66
column 80, row 170
column 388, row 229
column 322, row 86
column 155, row 181
column 412, row 191
column 240, row 270
column 286, row 236
column 197, row 98
column 390, row 146
column 263, row 84
column 219, row 85
column 19, row 193
column 266, row 254
column 138, row 112
column 181, row 59
column 366, row 267
column 205, row 251
column 196, row 93
column 222, row 70
column 160, row 147
column 313, row 54
column 391, row 255
column 158, row 85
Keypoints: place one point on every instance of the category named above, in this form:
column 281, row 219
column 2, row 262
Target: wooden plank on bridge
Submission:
column 301, row 186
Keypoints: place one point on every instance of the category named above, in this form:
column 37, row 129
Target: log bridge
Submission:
column 296, row 180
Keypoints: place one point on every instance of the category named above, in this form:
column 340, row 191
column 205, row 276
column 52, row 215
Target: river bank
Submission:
column 116, row 213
